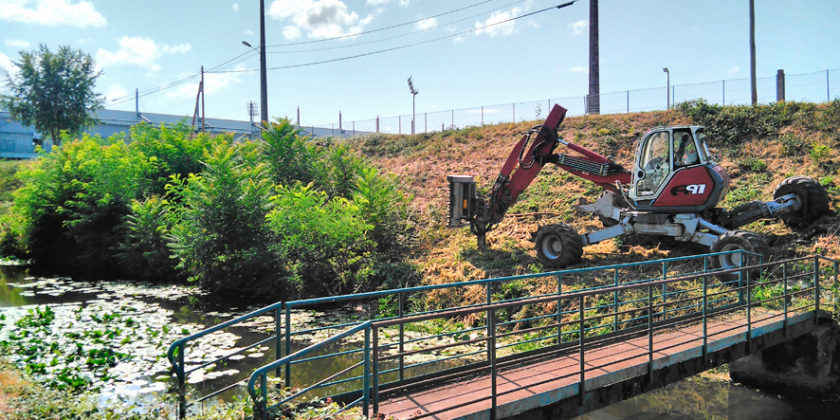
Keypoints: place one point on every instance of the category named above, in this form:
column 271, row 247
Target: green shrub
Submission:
column 145, row 252
column 731, row 125
column 222, row 238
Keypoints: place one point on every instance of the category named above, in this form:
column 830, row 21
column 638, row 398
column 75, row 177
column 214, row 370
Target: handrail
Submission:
column 176, row 351
column 261, row 373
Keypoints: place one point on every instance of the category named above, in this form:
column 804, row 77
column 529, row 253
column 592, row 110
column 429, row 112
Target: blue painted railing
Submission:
column 284, row 336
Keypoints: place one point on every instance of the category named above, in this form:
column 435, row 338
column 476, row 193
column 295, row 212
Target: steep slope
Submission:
column 798, row 139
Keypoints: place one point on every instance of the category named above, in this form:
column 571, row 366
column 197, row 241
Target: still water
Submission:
column 159, row 314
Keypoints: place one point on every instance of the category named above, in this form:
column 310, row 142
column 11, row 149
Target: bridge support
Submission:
column 808, row 365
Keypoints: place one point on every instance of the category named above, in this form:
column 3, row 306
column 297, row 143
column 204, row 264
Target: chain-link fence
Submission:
column 807, row 87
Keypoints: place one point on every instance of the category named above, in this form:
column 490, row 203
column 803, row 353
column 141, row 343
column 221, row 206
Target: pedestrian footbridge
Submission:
column 550, row 345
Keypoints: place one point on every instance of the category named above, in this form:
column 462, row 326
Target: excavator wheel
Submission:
column 813, row 196
column 739, row 239
column 558, row 245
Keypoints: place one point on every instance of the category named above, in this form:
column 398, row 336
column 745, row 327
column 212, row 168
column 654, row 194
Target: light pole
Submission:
column 263, row 76
column 413, row 96
column 667, row 88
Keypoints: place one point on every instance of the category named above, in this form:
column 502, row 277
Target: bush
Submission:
column 281, row 216
column 222, row 239
column 731, row 125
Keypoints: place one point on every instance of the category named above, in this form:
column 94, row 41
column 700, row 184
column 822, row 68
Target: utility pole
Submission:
column 203, row 121
column 593, row 104
column 252, row 112
column 263, row 78
column 754, row 92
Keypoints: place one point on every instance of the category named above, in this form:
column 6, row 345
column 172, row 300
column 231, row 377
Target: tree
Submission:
column 53, row 92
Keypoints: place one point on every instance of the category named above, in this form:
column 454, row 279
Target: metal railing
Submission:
column 465, row 349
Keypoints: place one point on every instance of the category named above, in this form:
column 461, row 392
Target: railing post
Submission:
column 366, row 376
column 749, row 312
column 705, row 320
column 834, row 286
column 664, row 291
column 375, row 362
column 816, row 289
column 288, row 344
column 182, row 380
column 559, row 309
column 488, row 290
column 402, row 337
column 277, row 340
column 491, row 325
column 741, row 277
column 263, row 403
column 650, row 335
column 615, row 303
column 786, row 297
column 582, row 333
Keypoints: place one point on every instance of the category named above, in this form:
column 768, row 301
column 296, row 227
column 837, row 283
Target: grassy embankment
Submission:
column 800, row 139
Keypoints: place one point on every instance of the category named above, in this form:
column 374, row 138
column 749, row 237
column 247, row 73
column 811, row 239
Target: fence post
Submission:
column 453, row 120
column 615, row 303
column 628, row 101
column 827, row 89
column 399, row 120
column 780, row 85
column 377, row 123
column 488, row 290
column 425, row 122
column 482, row 115
column 514, row 112
column 705, row 320
column 749, row 313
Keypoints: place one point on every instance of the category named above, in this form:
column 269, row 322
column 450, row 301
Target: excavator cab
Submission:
column 674, row 172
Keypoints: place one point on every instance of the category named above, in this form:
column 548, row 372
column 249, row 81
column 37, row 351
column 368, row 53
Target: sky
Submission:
column 460, row 53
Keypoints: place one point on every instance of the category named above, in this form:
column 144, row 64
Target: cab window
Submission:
column 685, row 151
column 655, row 163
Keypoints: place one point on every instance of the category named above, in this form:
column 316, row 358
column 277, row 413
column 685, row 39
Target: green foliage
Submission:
column 792, row 145
column 53, row 91
column 819, row 153
column 281, row 216
column 730, row 125
column 222, row 238
column 752, row 163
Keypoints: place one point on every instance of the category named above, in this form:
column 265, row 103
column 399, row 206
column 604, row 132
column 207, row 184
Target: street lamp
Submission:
column 667, row 88
column 413, row 95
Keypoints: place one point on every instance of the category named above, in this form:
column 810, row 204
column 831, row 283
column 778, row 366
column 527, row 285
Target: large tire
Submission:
column 813, row 196
column 739, row 239
column 558, row 245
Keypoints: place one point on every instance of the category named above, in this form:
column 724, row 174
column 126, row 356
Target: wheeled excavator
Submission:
column 673, row 190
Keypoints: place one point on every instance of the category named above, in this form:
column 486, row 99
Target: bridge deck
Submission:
column 521, row 388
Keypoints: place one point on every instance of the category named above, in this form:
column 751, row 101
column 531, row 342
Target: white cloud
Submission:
column 6, row 64
column 578, row 27
column 235, row 7
column 139, row 51
column 427, row 24
column 733, row 70
column 16, row 43
column 52, row 13
column 247, row 32
column 577, row 69
column 319, row 18
column 498, row 28
column 403, row 3
column 115, row 92
column 291, row 32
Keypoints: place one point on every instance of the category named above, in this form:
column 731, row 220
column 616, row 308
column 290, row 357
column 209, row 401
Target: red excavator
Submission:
column 673, row 190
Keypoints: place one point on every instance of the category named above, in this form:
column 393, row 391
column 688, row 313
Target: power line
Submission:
column 379, row 29
column 395, row 36
column 350, row 57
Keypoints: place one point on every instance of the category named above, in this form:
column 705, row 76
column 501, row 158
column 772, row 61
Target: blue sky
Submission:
column 149, row 44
